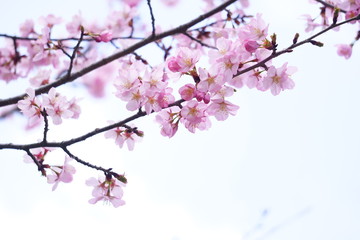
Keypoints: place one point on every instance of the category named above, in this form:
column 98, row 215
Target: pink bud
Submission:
column 173, row 65
column 105, row 36
column 251, row 46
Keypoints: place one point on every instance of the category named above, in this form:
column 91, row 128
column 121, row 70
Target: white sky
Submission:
column 295, row 155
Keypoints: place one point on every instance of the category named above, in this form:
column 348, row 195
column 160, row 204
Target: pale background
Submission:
column 294, row 156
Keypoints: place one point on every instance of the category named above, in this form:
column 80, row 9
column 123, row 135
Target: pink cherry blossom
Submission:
column 278, row 79
column 107, row 190
column 187, row 92
column 210, row 80
column 57, row 107
column 104, row 36
column 221, row 109
column 184, row 61
column 257, row 29
column 344, row 50
column 165, row 97
column 169, row 120
column 31, row 107
column 193, row 116
column 61, row 173
column 132, row 3
column 122, row 135
column 50, row 20
column 41, row 78
column 170, row 3
column 38, row 153
column 27, row 28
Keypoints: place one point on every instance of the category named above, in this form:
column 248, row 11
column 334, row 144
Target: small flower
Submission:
column 221, row 109
column 344, row 50
column 57, row 106
column 104, row 36
column 61, row 173
column 193, row 116
column 107, row 190
column 31, row 107
column 122, row 135
column 187, row 92
column 184, row 61
column 41, row 78
column 169, row 120
column 278, row 79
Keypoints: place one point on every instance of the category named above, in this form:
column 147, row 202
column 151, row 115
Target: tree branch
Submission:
column 326, row 4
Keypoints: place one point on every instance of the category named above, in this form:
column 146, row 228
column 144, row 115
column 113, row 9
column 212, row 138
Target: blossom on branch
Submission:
column 125, row 135
column 278, row 79
column 61, row 173
column 107, row 190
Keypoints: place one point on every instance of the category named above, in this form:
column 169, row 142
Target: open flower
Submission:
column 61, row 173
column 108, row 190
column 278, row 79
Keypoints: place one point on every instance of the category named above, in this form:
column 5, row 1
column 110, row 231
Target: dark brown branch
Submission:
column 198, row 41
column 100, row 63
column 46, row 125
column 74, row 53
column 326, row 4
column 152, row 17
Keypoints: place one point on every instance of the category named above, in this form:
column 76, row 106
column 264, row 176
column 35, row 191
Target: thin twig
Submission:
column 46, row 125
column 198, row 41
column 152, row 17
column 326, row 4
column 74, row 53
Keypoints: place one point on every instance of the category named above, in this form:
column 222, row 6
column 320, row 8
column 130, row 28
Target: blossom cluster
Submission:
column 107, row 189
column 208, row 94
column 52, row 104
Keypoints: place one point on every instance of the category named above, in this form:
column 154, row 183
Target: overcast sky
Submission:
column 284, row 167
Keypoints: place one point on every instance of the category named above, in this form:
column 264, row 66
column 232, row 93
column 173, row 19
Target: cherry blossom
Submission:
column 278, row 79
column 221, row 109
column 61, row 173
column 104, row 36
column 57, row 106
column 184, row 61
column 107, row 190
column 169, row 121
column 344, row 50
column 41, row 78
column 122, row 135
column 194, row 116
column 31, row 107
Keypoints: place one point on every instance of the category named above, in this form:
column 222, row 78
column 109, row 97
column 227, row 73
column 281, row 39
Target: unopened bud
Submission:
column 296, row 37
column 273, row 39
column 357, row 36
column 316, row 43
column 120, row 177
column 267, row 44
column 336, row 15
